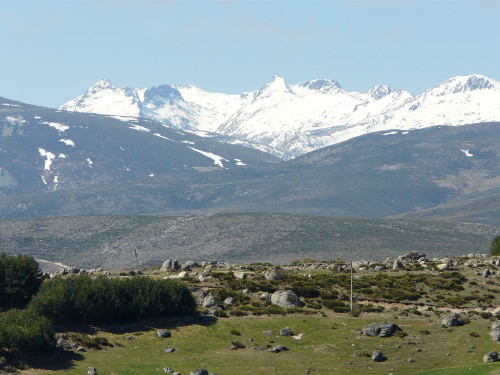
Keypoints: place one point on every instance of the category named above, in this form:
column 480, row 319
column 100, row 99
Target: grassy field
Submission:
column 330, row 344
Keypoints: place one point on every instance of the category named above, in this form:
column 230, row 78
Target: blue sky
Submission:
column 53, row 50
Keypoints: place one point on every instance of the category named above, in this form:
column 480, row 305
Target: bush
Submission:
column 81, row 299
column 20, row 279
column 26, row 333
column 495, row 246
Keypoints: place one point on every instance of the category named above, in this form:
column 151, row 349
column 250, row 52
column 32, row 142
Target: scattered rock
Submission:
column 278, row 348
column 286, row 332
column 241, row 275
column 491, row 357
column 285, row 298
column 268, row 333
column 384, row 329
column 169, row 350
column 128, row 337
column 229, row 301
column 163, row 333
column 398, row 265
column 80, row 349
column 168, row 370
column 443, row 267
column 91, row 371
column 378, row 356
column 452, row 321
column 209, row 301
column 276, row 274
column 199, row 371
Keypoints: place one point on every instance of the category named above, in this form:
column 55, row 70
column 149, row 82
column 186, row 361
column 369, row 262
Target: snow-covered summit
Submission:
column 299, row 118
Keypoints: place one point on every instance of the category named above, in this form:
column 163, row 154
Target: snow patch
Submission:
column 188, row 142
column 49, row 156
column 216, row 158
column 62, row 156
column 161, row 136
column 151, row 175
column 37, row 117
column 56, row 125
column 17, row 120
column 139, row 128
column 67, row 142
column 239, row 162
column 56, row 182
column 43, row 180
column 467, row 153
column 10, row 105
column 90, row 162
column 390, row 133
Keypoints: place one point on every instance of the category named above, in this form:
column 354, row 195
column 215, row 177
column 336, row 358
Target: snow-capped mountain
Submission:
column 295, row 119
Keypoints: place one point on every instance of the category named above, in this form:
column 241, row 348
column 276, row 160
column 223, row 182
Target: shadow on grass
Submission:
column 139, row 326
column 60, row 360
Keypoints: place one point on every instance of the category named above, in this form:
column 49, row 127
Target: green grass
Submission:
column 328, row 346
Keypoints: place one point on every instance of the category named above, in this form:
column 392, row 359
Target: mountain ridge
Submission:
column 296, row 119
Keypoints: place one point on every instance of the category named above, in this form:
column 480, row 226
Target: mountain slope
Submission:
column 375, row 175
column 295, row 119
column 43, row 150
column 118, row 242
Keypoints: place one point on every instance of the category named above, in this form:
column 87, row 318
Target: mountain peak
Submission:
column 277, row 84
column 470, row 83
column 321, row 85
column 379, row 91
column 103, row 84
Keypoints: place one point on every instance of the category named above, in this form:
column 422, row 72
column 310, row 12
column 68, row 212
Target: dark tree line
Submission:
column 82, row 299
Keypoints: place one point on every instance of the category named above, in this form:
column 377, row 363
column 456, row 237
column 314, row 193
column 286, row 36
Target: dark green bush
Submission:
column 20, row 279
column 25, row 333
column 81, row 299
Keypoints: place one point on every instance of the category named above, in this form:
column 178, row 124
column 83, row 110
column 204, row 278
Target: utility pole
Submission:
column 352, row 307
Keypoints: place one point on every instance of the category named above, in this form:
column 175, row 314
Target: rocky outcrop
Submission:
column 384, row 329
column 285, row 298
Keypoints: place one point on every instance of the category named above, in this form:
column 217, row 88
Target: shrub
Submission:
column 235, row 332
column 81, row 299
column 26, row 333
column 20, row 279
column 495, row 246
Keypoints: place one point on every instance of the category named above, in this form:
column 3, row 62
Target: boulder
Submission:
column 199, row 295
column 378, row 356
column 384, row 329
column 285, row 298
column 398, row 265
column 199, row 371
column 209, row 301
column 491, row 357
column 276, row 274
column 486, row 272
column 229, row 301
column 91, row 371
column 163, row 333
column 452, row 321
column 496, row 325
column 277, row 348
column 265, row 296
column 443, row 266
column 241, row 275
column 286, row 332
column 182, row 275
column 169, row 350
